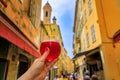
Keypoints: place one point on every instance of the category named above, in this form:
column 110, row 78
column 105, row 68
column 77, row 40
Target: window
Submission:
column 81, row 25
column 79, row 50
column 79, row 34
column 93, row 33
column 46, row 13
column 32, row 12
column 89, row 6
column 87, row 39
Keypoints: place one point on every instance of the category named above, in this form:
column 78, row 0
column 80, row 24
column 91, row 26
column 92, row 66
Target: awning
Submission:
column 89, row 52
column 9, row 35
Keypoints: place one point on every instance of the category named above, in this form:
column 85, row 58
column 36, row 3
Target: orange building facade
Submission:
column 109, row 16
column 19, row 36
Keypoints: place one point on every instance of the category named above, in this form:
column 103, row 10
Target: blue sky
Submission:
column 64, row 10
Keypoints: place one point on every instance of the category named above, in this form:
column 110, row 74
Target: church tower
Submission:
column 47, row 13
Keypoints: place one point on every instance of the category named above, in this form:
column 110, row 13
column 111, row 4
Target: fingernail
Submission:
column 46, row 49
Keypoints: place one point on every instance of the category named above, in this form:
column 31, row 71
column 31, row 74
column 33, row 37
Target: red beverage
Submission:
column 54, row 47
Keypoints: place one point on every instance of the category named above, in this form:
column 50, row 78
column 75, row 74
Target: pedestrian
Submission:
column 86, row 76
column 60, row 78
column 69, row 77
column 39, row 68
column 73, row 76
column 56, row 77
column 94, row 76
column 64, row 77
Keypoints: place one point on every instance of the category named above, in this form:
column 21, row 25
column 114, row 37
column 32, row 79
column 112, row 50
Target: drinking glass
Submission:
column 54, row 48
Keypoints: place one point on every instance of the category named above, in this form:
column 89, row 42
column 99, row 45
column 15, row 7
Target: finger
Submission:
column 47, row 63
column 51, row 64
column 43, row 57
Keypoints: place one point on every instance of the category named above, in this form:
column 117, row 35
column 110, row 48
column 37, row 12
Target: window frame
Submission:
column 87, row 40
column 93, row 33
column 89, row 6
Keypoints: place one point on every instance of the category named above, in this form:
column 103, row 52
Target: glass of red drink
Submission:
column 54, row 48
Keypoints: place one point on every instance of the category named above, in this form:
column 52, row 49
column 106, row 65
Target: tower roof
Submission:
column 47, row 5
column 54, row 18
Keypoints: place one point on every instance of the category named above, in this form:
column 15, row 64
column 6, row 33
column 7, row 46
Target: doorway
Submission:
column 3, row 69
column 23, row 65
column 4, row 46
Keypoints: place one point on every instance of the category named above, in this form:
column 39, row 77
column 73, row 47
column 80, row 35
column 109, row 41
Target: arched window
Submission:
column 46, row 13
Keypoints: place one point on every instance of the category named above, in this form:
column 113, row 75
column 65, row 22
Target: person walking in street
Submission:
column 39, row 68
column 86, row 76
column 64, row 77
column 94, row 76
column 73, row 76
column 56, row 77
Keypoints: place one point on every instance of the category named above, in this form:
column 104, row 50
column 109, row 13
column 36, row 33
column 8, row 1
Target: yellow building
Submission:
column 69, row 64
column 19, row 36
column 99, row 37
column 79, row 63
column 66, row 63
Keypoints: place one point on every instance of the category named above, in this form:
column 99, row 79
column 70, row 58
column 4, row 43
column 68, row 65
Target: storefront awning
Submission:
column 11, row 36
column 85, row 53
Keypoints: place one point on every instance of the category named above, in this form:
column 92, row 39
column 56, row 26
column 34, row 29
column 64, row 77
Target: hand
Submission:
column 39, row 68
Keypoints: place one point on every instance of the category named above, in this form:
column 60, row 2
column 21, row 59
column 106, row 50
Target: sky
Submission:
column 64, row 11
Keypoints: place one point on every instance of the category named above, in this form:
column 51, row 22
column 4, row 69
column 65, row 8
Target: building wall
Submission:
column 70, row 65
column 91, row 20
column 43, row 33
column 24, row 17
column 108, row 19
column 19, row 13
column 105, row 18
column 77, row 42
column 76, row 28
column 67, row 63
column 12, row 73
column 111, row 14
column 11, row 54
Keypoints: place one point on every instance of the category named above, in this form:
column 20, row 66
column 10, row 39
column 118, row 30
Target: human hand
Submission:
column 39, row 68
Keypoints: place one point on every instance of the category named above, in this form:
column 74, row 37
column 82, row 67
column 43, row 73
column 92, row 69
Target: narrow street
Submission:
column 59, row 40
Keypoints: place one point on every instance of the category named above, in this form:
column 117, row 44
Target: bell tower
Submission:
column 47, row 13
